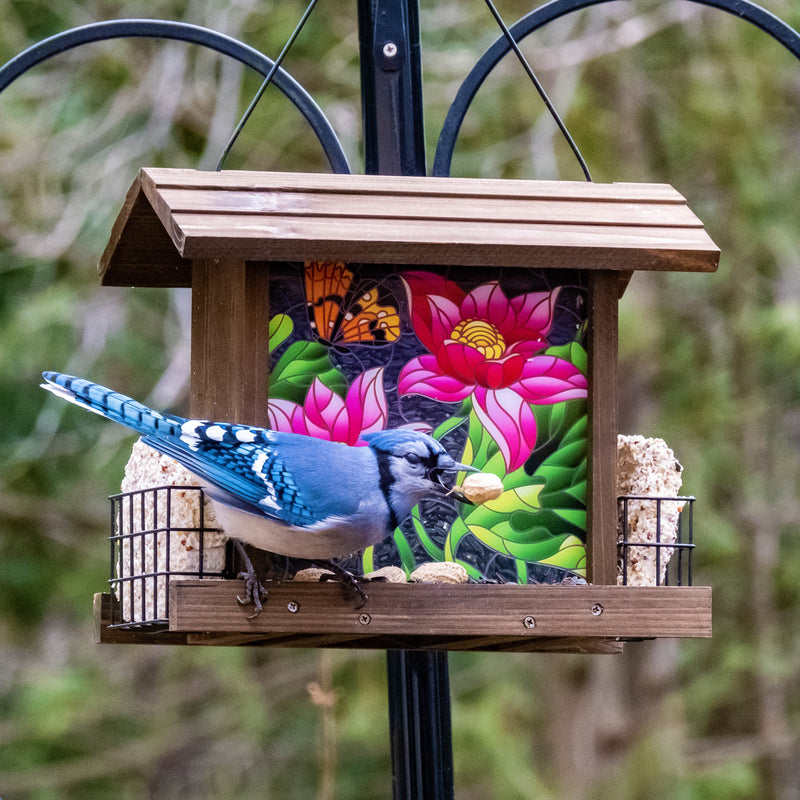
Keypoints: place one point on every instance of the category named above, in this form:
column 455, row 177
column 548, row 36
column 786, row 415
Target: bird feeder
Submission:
column 481, row 311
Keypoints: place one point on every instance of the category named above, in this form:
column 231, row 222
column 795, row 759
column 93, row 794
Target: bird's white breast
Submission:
column 330, row 538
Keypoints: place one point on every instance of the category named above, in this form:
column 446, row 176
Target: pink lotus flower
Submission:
column 485, row 346
column 326, row 416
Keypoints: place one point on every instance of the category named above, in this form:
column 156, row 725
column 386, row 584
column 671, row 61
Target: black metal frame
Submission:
column 681, row 549
column 135, row 532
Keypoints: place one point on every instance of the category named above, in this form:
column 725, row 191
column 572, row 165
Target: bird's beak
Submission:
column 437, row 476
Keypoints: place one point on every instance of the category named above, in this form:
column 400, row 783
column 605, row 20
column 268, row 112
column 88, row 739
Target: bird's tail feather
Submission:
column 110, row 404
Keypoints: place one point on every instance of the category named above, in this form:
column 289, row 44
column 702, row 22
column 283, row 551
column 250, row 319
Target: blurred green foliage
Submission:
column 652, row 91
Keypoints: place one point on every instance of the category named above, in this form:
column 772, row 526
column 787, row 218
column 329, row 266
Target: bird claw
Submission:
column 254, row 591
column 350, row 583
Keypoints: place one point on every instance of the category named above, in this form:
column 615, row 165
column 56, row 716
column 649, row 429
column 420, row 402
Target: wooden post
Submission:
column 602, row 489
column 230, row 340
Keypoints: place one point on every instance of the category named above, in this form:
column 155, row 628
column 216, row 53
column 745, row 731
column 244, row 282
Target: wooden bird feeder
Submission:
column 359, row 276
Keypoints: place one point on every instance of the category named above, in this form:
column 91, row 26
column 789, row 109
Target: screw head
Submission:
column 390, row 49
column 293, row 607
column 529, row 622
column 597, row 609
column 364, row 619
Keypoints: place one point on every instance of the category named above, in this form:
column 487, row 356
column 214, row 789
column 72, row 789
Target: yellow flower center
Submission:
column 481, row 335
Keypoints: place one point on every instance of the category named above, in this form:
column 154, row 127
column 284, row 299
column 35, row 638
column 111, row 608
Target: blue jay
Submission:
column 284, row 492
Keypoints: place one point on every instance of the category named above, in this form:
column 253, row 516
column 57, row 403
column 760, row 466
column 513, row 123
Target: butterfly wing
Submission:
column 327, row 284
column 368, row 321
column 341, row 312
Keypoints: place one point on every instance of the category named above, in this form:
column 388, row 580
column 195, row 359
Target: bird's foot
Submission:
column 254, row 591
column 351, row 584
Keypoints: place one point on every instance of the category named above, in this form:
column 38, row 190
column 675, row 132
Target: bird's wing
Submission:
column 298, row 480
column 289, row 480
column 111, row 405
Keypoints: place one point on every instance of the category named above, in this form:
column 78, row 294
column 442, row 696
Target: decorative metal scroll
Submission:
column 192, row 34
column 744, row 9
column 130, row 28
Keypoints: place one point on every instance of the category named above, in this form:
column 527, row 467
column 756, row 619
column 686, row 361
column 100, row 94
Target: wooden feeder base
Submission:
column 491, row 617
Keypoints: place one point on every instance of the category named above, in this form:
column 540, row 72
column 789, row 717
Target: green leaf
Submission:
column 566, row 551
column 280, row 329
column 450, row 424
column 405, row 551
column 486, row 535
column 536, row 514
column 456, row 533
column 551, row 550
column 296, row 369
column 368, row 560
column 575, row 516
column 572, row 352
column 481, row 445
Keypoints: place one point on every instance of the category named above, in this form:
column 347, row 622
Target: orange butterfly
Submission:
column 341, row 313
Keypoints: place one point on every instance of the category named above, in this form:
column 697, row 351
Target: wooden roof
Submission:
column 172, row 216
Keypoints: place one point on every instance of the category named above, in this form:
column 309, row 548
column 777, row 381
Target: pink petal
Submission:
column 444, row 316
column 487, row 301
column 325, row 413
column 422, row 376
column 418, row 426
column 526, row 347
column 286, row 416
column 547, row 379
column 534, row 311
column 459, row 360
column 493, row 375
column 366, row 404
column 510, row 422
column 501, row 372
column 420, row 286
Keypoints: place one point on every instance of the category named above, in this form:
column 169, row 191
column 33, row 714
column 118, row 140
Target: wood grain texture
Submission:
column 140, row 252
column 458, row 617
column 166, row 177
column 104, row 634
column 365, row 207
column 601, row 501
column 446, row 610
column 401, row 220
column 230, row 342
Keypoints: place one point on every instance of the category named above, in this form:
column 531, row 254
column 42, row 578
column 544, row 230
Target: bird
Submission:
column 287, row 493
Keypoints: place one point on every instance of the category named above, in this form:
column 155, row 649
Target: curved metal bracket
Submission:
column 744, row 9
column 193, row 34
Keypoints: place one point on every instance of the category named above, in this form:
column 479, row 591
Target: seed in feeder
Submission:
column 440, row 572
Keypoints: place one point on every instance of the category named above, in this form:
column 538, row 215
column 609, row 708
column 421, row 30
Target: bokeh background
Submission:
column 659, row 91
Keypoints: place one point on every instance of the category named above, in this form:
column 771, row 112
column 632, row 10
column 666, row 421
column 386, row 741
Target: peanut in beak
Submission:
column 478, row 488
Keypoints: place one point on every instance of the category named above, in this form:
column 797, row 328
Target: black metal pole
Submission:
column 394, row 144
column 391, row 87
column 419, row 725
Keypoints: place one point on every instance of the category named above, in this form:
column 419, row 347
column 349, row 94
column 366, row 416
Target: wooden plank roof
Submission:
column 172, row 216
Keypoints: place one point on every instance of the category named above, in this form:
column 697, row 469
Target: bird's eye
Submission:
column 413, row 458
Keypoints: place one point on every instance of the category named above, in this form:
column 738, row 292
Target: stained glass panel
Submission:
column 493, row 365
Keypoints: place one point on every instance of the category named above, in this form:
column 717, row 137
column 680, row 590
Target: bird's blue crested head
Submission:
column 419, row 446
column 415, row 465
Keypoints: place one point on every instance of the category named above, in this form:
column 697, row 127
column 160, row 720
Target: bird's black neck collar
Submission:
column 385, row 481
